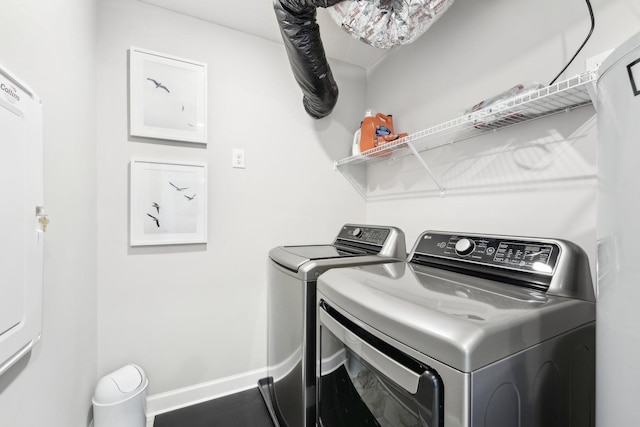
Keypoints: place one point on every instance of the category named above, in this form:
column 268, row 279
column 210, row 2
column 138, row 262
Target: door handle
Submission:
column 43, row 219
column 396, row 372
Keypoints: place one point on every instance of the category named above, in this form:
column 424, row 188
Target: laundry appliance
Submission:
column 289, row 390
column 618, row 231
column 472, row 331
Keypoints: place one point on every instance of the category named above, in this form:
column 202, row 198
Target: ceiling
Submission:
column 258, row 18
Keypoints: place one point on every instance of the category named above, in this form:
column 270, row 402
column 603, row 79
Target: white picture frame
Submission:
column 168, row 203
column 167, row 97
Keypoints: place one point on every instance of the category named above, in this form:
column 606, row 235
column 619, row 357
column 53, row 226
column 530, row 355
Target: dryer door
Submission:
column 364, row 381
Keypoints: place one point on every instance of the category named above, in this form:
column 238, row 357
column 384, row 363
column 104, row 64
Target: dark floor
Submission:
column 245, row 409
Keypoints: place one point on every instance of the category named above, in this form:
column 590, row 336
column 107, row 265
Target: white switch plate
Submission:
column 238, row 158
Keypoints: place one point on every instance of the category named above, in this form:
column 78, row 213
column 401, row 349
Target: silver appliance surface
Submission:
column 506, row 323
column 289, row 390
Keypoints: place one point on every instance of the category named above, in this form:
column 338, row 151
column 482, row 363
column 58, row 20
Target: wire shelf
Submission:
column 560, row 97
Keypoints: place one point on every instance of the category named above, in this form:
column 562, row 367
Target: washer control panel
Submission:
column 522, row 254
column 371, row 235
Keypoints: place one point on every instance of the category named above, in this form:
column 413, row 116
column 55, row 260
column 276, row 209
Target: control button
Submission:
column 465, row 246
column 490, row 250
column 357, row 232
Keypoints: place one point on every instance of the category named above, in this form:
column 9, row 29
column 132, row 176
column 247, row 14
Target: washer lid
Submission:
column 463, row 321
column 293, row 257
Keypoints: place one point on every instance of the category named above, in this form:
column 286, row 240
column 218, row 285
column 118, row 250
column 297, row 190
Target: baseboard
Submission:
column 285, row 367
column 187, row 396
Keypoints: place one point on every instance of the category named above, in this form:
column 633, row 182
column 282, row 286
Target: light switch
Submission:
column 238, row 158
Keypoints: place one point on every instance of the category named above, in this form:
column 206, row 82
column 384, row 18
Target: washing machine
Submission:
column 472, row 331
column 289, row 390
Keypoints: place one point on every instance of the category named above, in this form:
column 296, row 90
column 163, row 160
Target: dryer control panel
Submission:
column 512, row 253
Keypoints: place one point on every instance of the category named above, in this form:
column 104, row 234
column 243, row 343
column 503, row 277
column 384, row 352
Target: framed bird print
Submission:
column 168, row 203
column 167, row 97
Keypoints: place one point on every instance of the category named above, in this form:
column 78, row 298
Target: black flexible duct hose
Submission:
column 301, row 36
column 593, row 25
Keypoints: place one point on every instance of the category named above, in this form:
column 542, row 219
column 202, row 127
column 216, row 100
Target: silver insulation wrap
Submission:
column 388, row 23
column 380, row 23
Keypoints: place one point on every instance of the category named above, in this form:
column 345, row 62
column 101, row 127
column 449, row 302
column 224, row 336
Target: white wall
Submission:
column 195, row 314
column 477, row 50
column 50, row 45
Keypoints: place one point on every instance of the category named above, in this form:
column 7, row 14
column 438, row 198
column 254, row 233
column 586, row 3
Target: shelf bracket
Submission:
column 424, row 164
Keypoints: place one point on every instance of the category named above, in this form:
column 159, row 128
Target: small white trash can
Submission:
column 120, row 399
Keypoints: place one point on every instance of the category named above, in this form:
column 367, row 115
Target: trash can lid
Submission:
column 120, row 384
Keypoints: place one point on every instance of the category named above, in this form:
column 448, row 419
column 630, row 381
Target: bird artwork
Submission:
column 178, row 188
column 157, row 206
column 158, row 84
column 190, row 198
column 157, row 221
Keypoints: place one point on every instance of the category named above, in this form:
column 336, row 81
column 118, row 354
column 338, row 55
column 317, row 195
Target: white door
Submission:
column 21, row 236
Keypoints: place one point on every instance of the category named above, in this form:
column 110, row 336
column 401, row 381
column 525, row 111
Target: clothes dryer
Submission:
column 473, row 331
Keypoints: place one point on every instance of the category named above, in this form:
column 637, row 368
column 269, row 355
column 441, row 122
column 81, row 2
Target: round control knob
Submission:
column 357, row 232
column 465, row 246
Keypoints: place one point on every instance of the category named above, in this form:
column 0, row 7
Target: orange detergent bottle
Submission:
column 373, row 127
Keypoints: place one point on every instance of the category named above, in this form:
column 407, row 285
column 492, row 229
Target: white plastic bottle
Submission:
column 355, row 148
